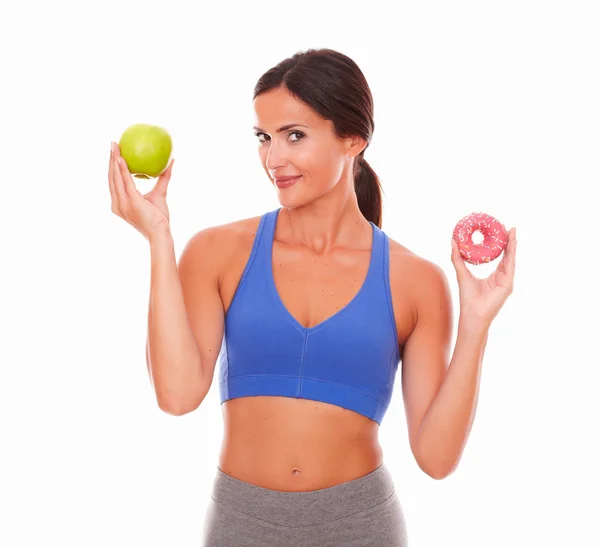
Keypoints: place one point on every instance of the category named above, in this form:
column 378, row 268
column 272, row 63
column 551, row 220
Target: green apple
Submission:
column 146, row 149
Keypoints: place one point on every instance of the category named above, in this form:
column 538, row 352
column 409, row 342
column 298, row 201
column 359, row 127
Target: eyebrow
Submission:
column 285, row 127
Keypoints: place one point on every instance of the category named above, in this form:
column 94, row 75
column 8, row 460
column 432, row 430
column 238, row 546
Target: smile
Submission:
column 287, row 183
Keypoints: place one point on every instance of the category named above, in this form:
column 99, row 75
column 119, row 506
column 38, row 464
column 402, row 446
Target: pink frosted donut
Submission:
column 495, row 238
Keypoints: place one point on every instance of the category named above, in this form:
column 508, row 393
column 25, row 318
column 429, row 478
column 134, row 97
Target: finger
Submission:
column 163, row 180
column 128, row 183
column 462, row 272
column 512, row 253
column 122, row 196
column 507, row 264
column 118, row 180
column 127, row 199
column 130, row 187
column 114, row 202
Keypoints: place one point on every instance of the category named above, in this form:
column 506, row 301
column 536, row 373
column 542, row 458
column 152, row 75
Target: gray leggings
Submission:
column 361, row 512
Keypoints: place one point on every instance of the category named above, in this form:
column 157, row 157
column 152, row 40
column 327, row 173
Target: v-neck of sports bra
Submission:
column 337, row 314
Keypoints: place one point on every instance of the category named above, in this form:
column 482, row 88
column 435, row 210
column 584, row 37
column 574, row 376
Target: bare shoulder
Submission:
column 222, row 242
column 413, row 278
column 228, row 233
column 409, row 265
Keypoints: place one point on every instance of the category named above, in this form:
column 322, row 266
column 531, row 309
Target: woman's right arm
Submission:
column 185, row 320
column 185, row 314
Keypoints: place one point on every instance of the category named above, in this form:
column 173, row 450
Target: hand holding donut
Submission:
column 482, row 299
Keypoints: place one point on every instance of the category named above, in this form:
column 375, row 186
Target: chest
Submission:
column 313, row 287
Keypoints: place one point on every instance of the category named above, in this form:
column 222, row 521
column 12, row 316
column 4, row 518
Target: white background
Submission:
column 479, row 106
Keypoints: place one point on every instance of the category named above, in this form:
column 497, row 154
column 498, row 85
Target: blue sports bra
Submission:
column 350, row 359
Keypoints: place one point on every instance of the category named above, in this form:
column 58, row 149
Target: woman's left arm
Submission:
column 442, row 432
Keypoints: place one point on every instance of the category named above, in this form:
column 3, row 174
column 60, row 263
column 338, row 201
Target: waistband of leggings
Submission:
column 292, row 509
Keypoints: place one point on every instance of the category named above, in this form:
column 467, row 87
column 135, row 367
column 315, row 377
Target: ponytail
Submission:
column 368, row 190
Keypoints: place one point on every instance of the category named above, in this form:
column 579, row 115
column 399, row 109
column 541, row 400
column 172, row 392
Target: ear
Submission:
column 355, row 145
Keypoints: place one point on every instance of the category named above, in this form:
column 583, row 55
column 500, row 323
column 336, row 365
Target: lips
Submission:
column 286, row 182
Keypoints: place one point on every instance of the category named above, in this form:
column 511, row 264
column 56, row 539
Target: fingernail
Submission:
column 112, row 147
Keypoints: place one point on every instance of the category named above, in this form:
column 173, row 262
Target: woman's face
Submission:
column 294, row 141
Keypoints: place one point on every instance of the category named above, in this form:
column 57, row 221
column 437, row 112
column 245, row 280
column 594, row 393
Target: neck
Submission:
column 333, row 220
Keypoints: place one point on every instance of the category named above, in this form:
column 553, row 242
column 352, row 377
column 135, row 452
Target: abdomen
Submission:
column 293, row 444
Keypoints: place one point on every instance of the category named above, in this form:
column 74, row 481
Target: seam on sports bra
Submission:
column 310, row 378
column 250, row 262
column 302, row 363
column 388, row 292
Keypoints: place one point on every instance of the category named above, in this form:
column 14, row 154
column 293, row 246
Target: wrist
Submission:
column 160, row 237
column 473, row 325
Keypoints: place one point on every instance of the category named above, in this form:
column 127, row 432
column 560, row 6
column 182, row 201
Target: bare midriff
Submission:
column 296, row 445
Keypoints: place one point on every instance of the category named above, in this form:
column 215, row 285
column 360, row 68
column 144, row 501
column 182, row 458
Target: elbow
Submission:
column 179, row 406
column 180, row 401
column 173, row 410
column 436, row 472
column 438, row 476
column 433, row 465
column 177, row 409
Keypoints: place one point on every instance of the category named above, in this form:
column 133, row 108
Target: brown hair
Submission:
column 333, row 86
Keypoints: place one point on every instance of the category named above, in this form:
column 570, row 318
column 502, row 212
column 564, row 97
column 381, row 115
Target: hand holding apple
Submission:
column 147, row 213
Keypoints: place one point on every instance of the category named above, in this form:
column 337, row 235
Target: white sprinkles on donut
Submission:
column 495, row 238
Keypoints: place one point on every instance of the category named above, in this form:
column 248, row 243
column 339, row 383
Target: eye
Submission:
column 301, row 135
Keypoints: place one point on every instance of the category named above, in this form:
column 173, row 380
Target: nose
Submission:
column 275, row 157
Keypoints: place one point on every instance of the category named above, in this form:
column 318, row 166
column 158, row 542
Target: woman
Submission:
column 308, row 310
